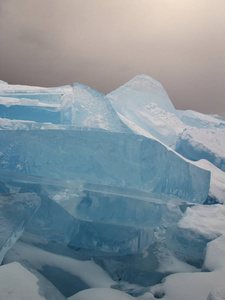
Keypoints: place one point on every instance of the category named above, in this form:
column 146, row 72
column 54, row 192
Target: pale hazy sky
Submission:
column 105, row 43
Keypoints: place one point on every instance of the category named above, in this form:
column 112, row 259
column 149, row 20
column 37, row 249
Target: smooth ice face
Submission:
column 95, row 217
column 144, row 101
column 217, row 180
column 29, row 110
column 143, row 90
column 89, row 108
column 114, row 159
column 143, row 105
column 125, row 200
column 45, row 95
column 15, row 211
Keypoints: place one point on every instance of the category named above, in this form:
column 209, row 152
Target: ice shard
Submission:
column 15, row 211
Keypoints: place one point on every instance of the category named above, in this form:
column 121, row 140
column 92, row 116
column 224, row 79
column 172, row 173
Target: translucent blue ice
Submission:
column 100, row 177
column 88, row 108
column 114, row 220
column 15, row 211
column 106, row 158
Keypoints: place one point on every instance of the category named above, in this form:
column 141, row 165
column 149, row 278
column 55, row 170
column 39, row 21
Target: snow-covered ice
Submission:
column 19, row 283
column 117, row 196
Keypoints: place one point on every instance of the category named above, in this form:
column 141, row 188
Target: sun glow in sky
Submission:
column 104, row 43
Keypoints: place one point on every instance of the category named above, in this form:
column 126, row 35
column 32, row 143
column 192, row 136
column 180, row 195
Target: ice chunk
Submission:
column 143, row 90
column 45, row 95
column 203, row 143
column 115, row 159
column 15, row 211
column 18, row 283
column 144, row 107
column 187, row 244
column 217, row 182
column 67, row 227
column 26, row 110
column 58, row 225
column 95, row 217
column 200, row 225
column 199, row 120
column 3, row 82
column 199, row 285
column 144, row 102
column 7, row 124
column 54, row 223
column 89, row 108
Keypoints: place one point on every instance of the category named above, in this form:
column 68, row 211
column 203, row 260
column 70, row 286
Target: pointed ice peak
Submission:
column 81, row 90
column 143, row 82
column 142, row 90
column 89, row 108
column 3, row 82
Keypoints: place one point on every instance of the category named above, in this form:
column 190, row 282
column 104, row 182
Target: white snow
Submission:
column 207, row 139
column 170, row 264
column 189, row 286
column 17, row 283
column 101, row 294
column 215, row 254
column 208, row 220
column 88, row 271
column 9, row 101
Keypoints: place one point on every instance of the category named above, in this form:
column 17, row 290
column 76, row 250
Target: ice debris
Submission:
column 128, row 185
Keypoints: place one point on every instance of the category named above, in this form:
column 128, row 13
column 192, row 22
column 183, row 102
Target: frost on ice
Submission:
column 105, row 196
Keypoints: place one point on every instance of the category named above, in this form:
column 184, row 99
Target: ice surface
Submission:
column 101, row 294
column 15, row 211
column 217, row 293
column 144, row 101
column 122, row 160
column 95, row 217
column 83, row 272
column 115, row 191
column 143, row 89
column 143, row 105
column 217, row 186
column 19, row 283
column 89, row 108
column 79, row 106
column 200, row 225
column 45, row 95
column 199, row 120
column 7, row 124
column 215, row 254
column 39, row 114
column 3, row 82
column 203, row 143
column 209, row 223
